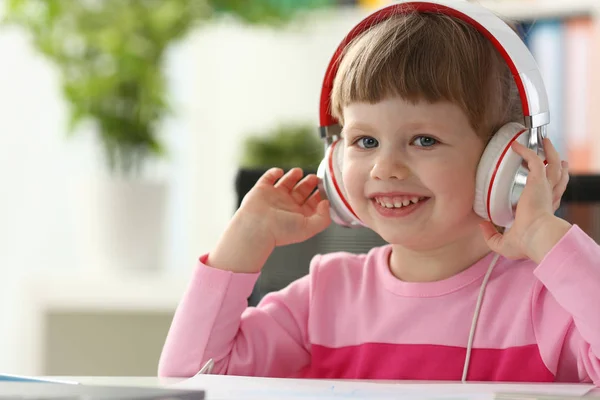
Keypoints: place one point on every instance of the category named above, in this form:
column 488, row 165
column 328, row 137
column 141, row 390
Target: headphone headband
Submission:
column 534, row 100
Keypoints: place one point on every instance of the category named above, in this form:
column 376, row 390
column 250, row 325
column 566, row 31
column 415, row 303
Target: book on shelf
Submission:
column 578, row 112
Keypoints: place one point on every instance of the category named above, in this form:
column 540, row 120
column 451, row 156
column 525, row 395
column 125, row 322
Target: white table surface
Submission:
column 147, row 381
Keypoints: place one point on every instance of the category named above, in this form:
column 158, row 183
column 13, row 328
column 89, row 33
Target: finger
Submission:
column 289, row 180
column 552, row 175
column 554, row 167
column 492, row 237
column 304, row 188
column 560, row 187
column 270, row 177
column 556, row 205
column 313, row 201
column 534, row 163
column 320, row 219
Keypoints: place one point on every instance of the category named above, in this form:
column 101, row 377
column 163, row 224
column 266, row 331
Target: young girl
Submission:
column 418, row 96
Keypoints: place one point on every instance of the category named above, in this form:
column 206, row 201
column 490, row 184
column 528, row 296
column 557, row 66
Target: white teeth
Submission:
column 397, row 203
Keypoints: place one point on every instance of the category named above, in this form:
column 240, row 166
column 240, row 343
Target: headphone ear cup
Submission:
column 331, row 186
column 496, row 174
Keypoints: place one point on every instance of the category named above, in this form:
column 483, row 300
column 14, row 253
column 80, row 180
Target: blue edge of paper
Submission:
column 20, row 378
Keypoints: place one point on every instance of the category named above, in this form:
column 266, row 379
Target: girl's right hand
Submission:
column 285, row 208
column 279, row 210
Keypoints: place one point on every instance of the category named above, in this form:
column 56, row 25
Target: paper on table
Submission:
column 219, row 387
column 23, row 378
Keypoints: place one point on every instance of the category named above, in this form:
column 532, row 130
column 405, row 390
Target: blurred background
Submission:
column 131, row 129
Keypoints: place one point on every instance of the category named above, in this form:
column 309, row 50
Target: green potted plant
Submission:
column 109, row 55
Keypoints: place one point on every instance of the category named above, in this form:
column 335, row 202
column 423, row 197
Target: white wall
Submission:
column 226, row 80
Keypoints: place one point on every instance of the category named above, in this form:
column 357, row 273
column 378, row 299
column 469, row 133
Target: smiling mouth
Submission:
column 398, row 202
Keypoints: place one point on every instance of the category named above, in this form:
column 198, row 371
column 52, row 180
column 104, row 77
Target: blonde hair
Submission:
column 431, row 57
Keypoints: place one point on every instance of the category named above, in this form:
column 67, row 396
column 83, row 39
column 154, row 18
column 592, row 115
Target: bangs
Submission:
column 423, row 57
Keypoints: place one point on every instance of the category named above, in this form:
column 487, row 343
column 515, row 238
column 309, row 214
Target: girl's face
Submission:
column 409, row 170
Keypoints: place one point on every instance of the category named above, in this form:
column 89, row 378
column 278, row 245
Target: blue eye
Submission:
column 425, row 141
column 367, row 142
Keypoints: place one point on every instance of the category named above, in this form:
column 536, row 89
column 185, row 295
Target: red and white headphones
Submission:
column 501, row 175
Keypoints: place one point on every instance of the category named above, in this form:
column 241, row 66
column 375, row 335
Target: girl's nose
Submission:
column 389, row 166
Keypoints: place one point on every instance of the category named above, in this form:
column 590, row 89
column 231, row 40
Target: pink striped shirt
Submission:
column 351, row 318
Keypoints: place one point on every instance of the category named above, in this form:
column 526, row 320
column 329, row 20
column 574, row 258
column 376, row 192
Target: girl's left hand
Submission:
column 535, row 209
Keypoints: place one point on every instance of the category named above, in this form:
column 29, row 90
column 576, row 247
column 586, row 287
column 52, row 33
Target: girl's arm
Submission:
column 566, row 308
column 213, row 321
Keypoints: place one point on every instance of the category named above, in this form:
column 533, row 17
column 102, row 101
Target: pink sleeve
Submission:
column 566, row 309
column 214, row 321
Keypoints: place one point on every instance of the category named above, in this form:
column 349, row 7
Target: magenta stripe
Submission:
column 427, row 362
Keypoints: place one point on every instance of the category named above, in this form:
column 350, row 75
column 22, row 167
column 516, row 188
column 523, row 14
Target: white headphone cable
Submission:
column 476, row 316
